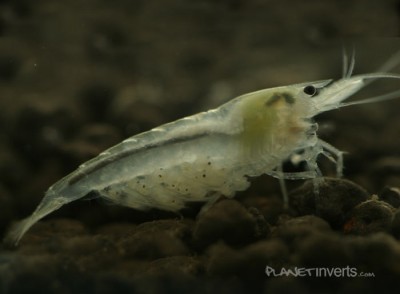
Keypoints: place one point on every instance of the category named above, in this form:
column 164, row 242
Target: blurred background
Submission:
column 79, row 76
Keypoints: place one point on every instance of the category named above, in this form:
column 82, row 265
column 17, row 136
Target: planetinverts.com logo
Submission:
column 338, row 272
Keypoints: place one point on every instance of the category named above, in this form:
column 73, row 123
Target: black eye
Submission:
column 310, row 90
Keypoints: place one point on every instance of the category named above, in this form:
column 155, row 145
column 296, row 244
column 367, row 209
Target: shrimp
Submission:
column 201, row 157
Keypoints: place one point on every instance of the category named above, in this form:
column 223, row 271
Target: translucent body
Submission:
column 201, row 157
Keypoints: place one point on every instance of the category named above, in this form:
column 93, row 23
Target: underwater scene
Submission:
column 129, row 165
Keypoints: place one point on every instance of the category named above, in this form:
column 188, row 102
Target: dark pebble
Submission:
column 270, row 207
column 282, row 285
column 229, row 221
column 263, row 227
column 391, row 195
column 294, row 230
column 165, row 282
column 396, row 224
column 357, row 285
column 335, row 200
column 116, row 230
column 323, row 250
column 377, row 253
column 103, row 284
column 155, row 240
column 82, row 245
column 50, row 233
column 33, row 272
column 369, row 217
column 247, row 264
column 176, row 265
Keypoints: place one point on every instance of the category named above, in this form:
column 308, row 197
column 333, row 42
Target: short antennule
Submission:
column 348, row 65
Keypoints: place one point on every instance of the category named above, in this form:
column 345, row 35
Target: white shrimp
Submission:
column 201, row 157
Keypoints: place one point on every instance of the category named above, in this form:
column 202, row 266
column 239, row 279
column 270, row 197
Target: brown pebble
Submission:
column 396, row 224
column 323, row 250
column 310, row 221
column 263, row 227
column 116, row 230
column 269, row 206
column 176, row 265
column 248, row 263
column 34, row 272
column 229, row 221
column 151, row 246
column 391, row 195
column 48, row 235
column 294, row 230
column 155, row 240
column 284, row 284
column 369, row 217
column 378, row 253
column 163, row 281
column 82, row 245
column 334, row 201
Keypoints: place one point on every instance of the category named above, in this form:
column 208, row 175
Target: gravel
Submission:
column 77, row 78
